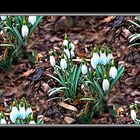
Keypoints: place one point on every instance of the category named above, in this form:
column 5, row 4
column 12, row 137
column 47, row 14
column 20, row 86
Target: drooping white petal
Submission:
column 113, row 72
column 95, row 60
column 67, row 55
column 65, row 42
column 22, row 112
column 32, row 19
column 72, row 54
column 52, row 60
column 72, row 46
column 28, row 111
column 32, row 122
column 24, row 30
column 109, row 57
column 133, row 114
column 14, row 114
column 3, row 121
column 84, row 69
column 105, row 85
column 63, row 64
column 103, row 59
column 3, row 17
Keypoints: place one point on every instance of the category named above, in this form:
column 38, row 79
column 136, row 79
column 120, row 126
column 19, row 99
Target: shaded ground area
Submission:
column 85, row 32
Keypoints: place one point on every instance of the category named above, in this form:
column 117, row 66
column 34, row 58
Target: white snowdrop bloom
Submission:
column 14, row 114
column 72, row 54
column 133, row 114
column 105, row 84
column 113, row 72
column 109, row 57
column 84, row 69
column 28, row 111
column 24, row 30
column 67, row 53
column 63, row 64
column 32, row 19
column 65, row 42
column 52, row 60
column 3, row 121
column 22, row 112
column 103, row 59
column 72, row 46
column 95, row 60
column 3, row 17
column 32, row 122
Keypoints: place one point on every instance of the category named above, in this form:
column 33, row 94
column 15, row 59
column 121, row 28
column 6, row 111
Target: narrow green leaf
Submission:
column 7, row 45
column 99, row 90
column 134, row 23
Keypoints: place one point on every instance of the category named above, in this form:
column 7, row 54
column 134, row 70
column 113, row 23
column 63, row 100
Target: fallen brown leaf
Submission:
column 69, row 120
column 67, row 106
column 27, row 73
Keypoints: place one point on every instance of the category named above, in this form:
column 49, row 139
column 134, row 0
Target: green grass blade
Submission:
column 134, row 23
column 99, row 90
column 135, row 44
column 7, row 45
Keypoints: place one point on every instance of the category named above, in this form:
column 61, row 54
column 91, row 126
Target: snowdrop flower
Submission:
column 105, row 83
column 24, row 30
column 14, row 114
column 67, row 53
column 103, row 59
column 28, row 111
column 52, row 60
column 3, row 121
column 109, row 56
column 133, row 114
column 84, row 69
column 95, row 59
column 113, row 72
column 3, row 17
column 72, row 54
column 22, row 111
column 65, row 42
column 72, row 46
column 32, row 122
column 32, row 19
column 63, row 64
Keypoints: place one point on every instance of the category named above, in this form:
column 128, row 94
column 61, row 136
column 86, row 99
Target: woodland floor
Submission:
column 84, row 31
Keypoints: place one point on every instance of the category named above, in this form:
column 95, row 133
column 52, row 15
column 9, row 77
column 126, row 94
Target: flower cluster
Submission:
column 21, row 113
column 104, row 58
column 68, row 49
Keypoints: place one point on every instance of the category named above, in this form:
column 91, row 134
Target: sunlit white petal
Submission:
column 24, row 30
column 72, row 53
column 32, row 122
column 133, row 114
column 3, row 121
column 65, row 42
column 63, row 64
column 52, row 60
column 103, row 59
column 22, row 112
column 67, row 53
column 105, row 85
column 72, row 46
column 113, row 72
column 84, row 69
column 32, row 19
column 28, row 111
column 14, row 114
column 3, row 17
column 109, row 57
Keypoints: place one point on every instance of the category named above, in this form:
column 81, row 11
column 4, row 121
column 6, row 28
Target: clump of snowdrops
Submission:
column 68, row 75
column 17, row 30
column 20, row 113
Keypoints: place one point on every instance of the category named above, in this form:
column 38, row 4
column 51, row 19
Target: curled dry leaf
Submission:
column 27, row 73
column 67, row 106
column 69, row 120
column 45, row 87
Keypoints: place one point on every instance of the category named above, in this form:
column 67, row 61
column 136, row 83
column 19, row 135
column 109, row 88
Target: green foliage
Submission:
column 136, row 36
column 12, row 26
